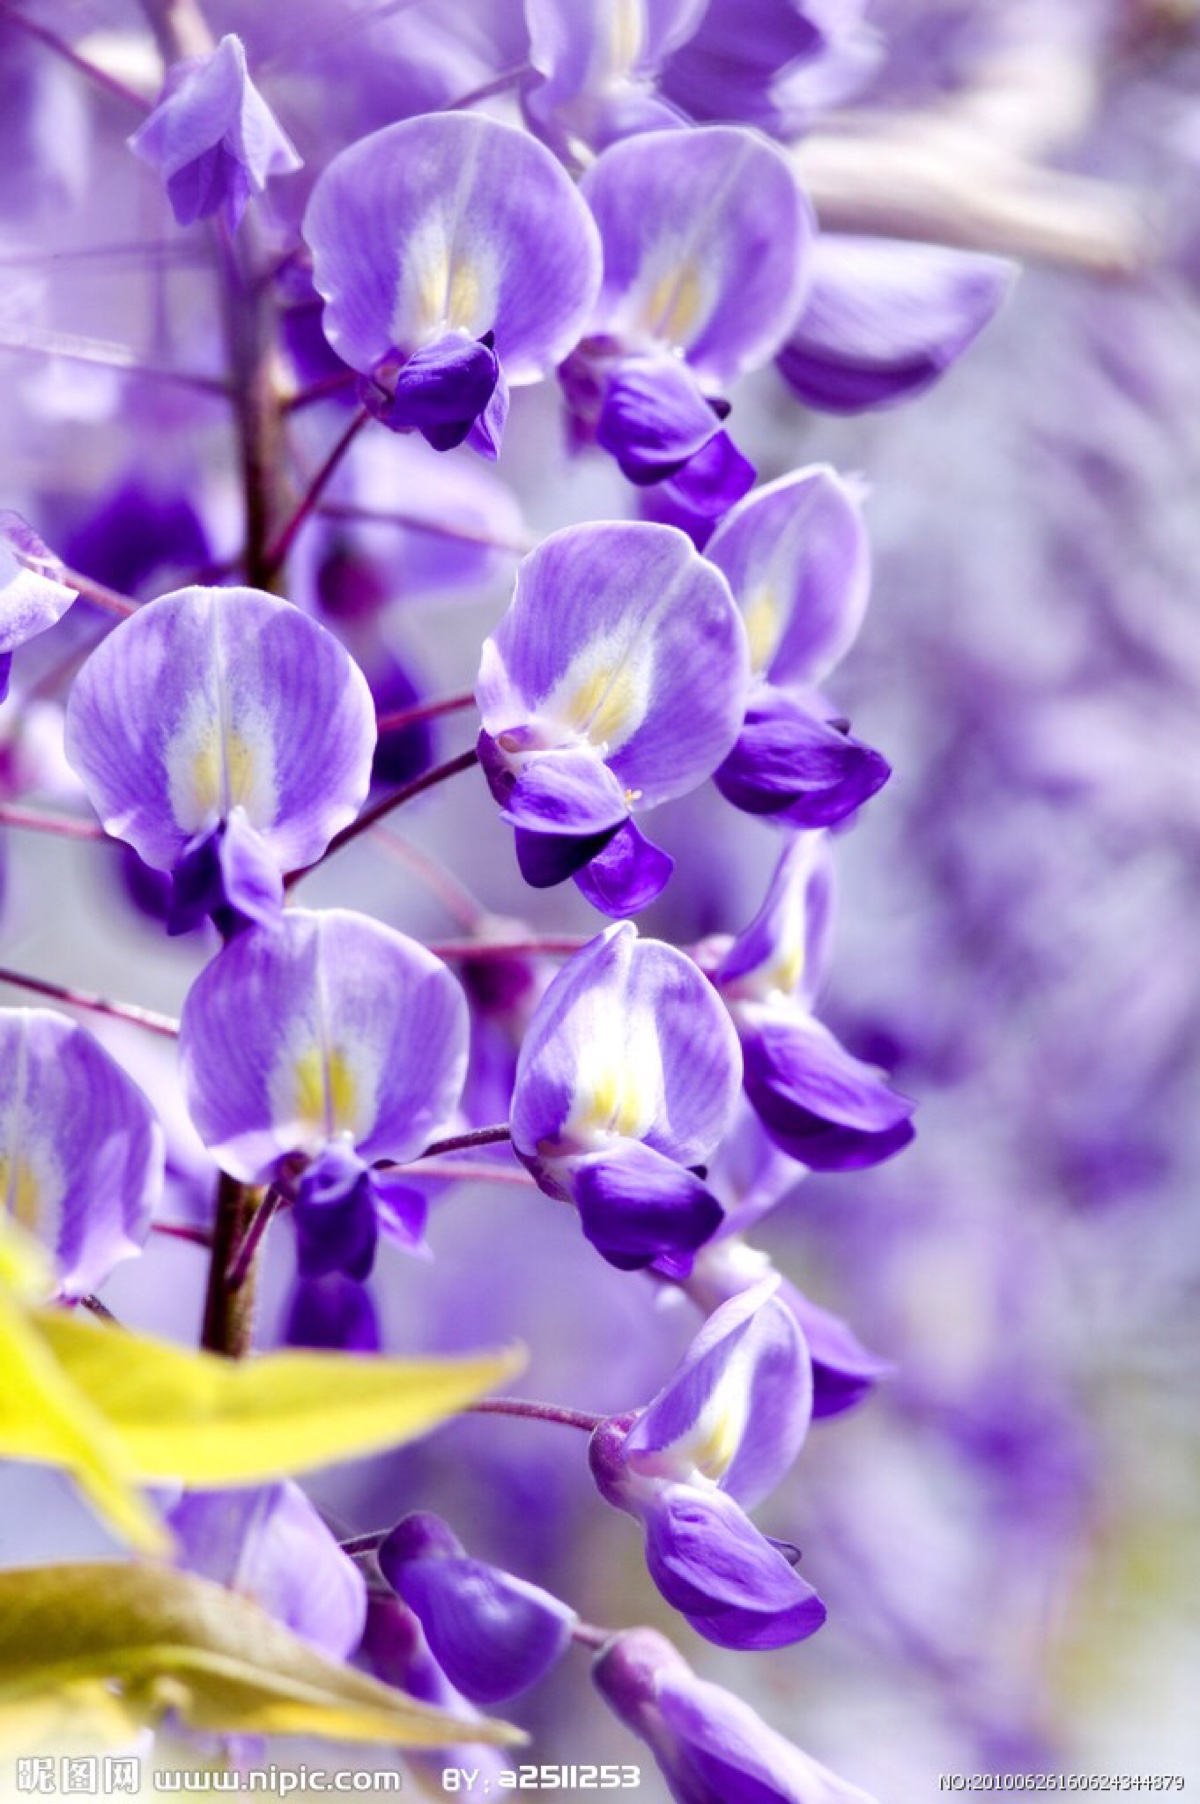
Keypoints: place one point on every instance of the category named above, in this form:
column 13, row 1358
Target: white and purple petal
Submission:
column 798, row 561
column 330, row 1025
column 209, row 700
column 629, row 1042
column 784, row 950
column 884, row 319
column 451, row 224
column 706, row 235
column 619, row 637
column 597, row 60
column 32, row 598
column 81, row 1151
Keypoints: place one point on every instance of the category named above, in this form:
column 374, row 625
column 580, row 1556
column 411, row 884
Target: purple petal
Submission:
column 492, row 1634
column 790, row 765
column 270, row 1544
column 714, row 479
column 797, row 558
column 884, row 319
column 213, row 138
column 619, row 637
column 81, row 1153
column 654, row 418
column 737, row 1409
column 844, row 1372
column 228, row 873
column 711, row 1563
column 211, row 699
column 571, row 791
column 705, row 236
column 629, row 1041
column 334, row 1216
column 549, row 858
column 400, row 1208
column 334, row 1312
column 636, row 1205
column 31, row 596
column 626, row 875
column 596, row 62
column 329, row 1025
column 771, row 63
column 443, row 388
column 815, row 1099
column 785, row 948
column 451, row 224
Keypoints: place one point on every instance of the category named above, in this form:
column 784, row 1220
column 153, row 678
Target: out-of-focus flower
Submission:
column 615, row 681
column 456, row 259
column 625, row 1079
column 716, row 1440
column 705, row 236
column 213, row 138
column 492, row 1634
column 228, row 738
column 32, row 599
column 81, row 1153
column 710, row 1747
column 598, row 65
column 883, row 320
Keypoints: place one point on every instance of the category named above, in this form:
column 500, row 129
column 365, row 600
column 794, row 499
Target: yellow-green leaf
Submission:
column 206, row 1420
column 170, row 1640
column 43, row 1416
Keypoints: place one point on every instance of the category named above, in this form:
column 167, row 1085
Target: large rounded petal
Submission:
column 452, row 223
column 211, row 699
column 705, row 236
column 622, row 637
column 629, row 1041
column 81, row 1153
column 798, row 561
column 329, row 1024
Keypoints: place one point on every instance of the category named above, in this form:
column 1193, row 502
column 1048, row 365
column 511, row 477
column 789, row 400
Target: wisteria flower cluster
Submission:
column 362, row 247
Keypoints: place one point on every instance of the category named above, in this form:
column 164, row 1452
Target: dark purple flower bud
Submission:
column 884, row 319
column 32, row 598
column 81, row 1152
column 626, row 1077
column 213, row 138
column 613, row 683
column 456, row 258
column 493, row 1635
column 222, row 708
column 710, row 1747
column 271, row 1545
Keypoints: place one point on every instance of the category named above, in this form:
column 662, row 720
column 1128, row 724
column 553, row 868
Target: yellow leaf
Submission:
column 170, row 1640
column 205, row 1420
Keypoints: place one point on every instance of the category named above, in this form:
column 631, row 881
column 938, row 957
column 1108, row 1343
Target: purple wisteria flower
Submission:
column 710, row 1746
column 817, row 1101
column 626, row 1078
column 773, row 64
column 456, row 260
column 798, row 561
column 716, row 1440
column 597, row 65
column 270, row 1544
column 615, row 681
column 492, row 1634
column 32, row 598
column 705, row 234
column 213, row 138
column 81, row 1153
column 310, row 1051
column 884, row 319
column 227, row 738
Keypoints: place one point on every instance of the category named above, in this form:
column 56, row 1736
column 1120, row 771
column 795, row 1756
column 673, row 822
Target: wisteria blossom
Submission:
column 32, row 598
column 614, row 682
column 227, row 738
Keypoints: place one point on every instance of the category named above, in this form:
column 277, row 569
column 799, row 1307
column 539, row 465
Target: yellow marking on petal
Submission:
column 625, row 36
column 618, row 1084
column 343, row 1094
column 676, row 304
column 463, row 288
column 210, row 770
column 714, row 1454
column 325, row 1093
column 604, row 705
column 764, row 622
column 22, row 1192
column 308, row 1099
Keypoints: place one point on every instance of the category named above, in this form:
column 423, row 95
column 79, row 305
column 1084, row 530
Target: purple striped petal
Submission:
column 213, row 138
column 706, row 234
column 630, row 1042
column 737, row 1409
column 81, row 1152
column 798, row 560
column 31, row 596
column 270, row 1544
column 884, row 319
column 815, row 1099
column 330, row 1026
column 789, row 765
column 209, row 700
column 784, row 950
column 710, row 1562
column 451, row 224
column 620, row 638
